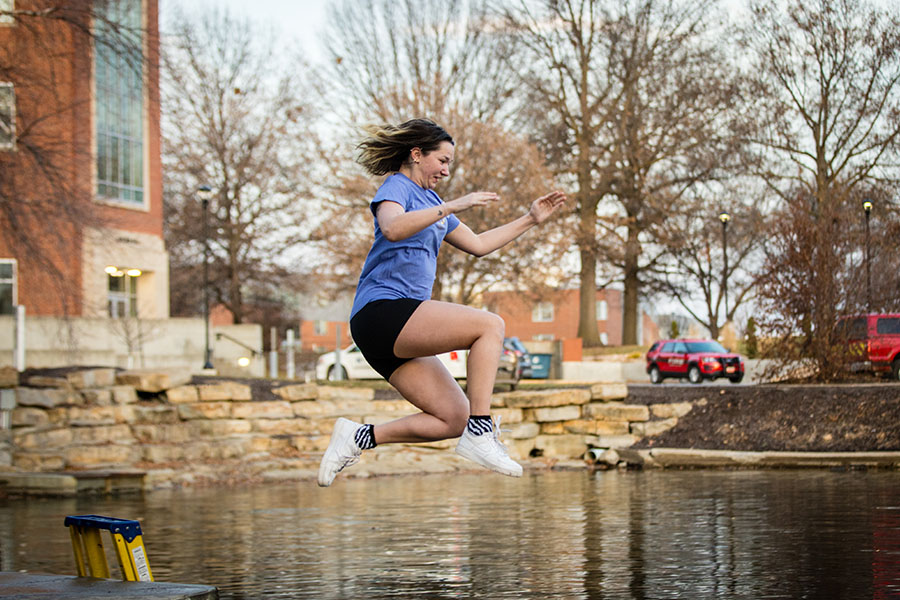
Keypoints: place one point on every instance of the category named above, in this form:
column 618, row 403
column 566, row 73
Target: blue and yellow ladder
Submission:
column 126, row 535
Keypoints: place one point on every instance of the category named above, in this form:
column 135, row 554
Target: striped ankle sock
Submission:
column 365, row 437
column 479, row 424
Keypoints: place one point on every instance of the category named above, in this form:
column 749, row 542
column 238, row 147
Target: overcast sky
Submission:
column 298, row 19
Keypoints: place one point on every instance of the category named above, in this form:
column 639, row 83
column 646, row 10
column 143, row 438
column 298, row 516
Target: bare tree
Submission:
column 235, row 120
column 634, row 104
column 712, row 265
column 45, row 200
column 396, row 61
column 829, row 75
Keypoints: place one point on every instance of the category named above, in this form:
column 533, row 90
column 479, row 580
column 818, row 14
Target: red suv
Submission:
column 875, row 340
column 694, row 359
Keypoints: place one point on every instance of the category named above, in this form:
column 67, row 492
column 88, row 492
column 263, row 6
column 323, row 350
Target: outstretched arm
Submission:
column 484, row 243
column 396, row 224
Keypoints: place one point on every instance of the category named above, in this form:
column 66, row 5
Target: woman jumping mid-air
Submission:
column 397, row 326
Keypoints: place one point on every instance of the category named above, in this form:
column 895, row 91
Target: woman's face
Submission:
column 435, row 165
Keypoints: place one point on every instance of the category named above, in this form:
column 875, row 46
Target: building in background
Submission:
column 555, row 317
column 93, row 99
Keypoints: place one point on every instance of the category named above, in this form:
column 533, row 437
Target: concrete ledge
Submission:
column 72, row 484
column 677, row 457
column 59, row 587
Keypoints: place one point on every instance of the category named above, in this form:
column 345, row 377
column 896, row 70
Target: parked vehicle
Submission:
column 695, row 360
column 515, row 346
column 353, row 365
column 874, row 342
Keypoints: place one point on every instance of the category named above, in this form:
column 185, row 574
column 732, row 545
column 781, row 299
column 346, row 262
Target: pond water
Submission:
column 568, row 534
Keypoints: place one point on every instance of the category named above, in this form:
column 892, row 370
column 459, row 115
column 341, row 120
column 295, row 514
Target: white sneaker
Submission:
column 342, row 451
column 488, row 451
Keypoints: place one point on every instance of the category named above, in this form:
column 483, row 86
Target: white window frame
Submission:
column 14, row 280
column 7, row 6
column 127, row 299
column 320, row 327
column 11, row 111
column 542, row 312
column 602, row 310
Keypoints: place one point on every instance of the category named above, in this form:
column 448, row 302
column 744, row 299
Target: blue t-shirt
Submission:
column 403, row 269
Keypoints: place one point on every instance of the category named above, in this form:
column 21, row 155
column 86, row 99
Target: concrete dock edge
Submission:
column 34, row 586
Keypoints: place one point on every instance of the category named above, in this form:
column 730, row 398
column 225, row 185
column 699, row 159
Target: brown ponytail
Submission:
column 387, row 147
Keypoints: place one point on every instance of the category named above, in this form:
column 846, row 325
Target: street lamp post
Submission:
column 205, row 193
column 867, row 206
column 725, row 217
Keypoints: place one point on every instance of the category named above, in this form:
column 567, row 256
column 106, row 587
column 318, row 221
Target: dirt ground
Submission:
column 811, row 418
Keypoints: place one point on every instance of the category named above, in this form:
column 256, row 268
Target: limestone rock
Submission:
column 174, row 433
column 46, row 381
column 606, row 391
column 123, row 394
column 47, row 397
column 297, row 392
column 182, row 394
column 311, row 409
column 26, row 416
column 617, row 411
column 612, row 441
column 34, row 439
column 508, row 416
column 102, row 434
column 205, row 410
column 279, row 426
column 522, row 431
column 97, row 396
column 275, row 409
column 586, row 427
column 327, row 392
column 546, row 398
column 155, row 414
column 9, row 377
column 653, row 427
column 154, row 380
column 556, row 413
column 561, row 446
column 674, row 409
column 104, row 454
column 39, row 461
column 226, row 390
column 91, row 378
column 219, row 428
column 91, row 415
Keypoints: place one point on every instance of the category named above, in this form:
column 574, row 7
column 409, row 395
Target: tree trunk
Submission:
column 632, row 289
column 587, row 301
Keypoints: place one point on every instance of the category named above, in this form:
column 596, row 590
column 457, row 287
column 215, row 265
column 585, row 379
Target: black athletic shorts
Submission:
column 376, row 327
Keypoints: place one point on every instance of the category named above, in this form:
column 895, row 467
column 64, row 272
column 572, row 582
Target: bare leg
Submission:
column 426, row 384
column 437, row 327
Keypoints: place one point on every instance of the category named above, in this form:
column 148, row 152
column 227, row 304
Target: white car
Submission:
column 354, row 366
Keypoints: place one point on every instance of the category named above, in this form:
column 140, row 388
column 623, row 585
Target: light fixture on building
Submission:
column 120, row 272
column 244, row 362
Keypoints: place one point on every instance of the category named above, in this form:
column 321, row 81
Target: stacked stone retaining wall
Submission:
column 179, row 432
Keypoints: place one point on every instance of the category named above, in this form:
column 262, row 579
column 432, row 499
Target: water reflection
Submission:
column 639, row 535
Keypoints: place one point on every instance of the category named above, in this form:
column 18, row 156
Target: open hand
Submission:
column 546, row 205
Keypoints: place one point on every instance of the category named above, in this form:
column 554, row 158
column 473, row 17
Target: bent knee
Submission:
column 495, row 325
column 456, row 423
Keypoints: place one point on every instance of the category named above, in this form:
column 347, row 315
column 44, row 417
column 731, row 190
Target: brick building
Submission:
column 556, row 316
column 99, row 105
